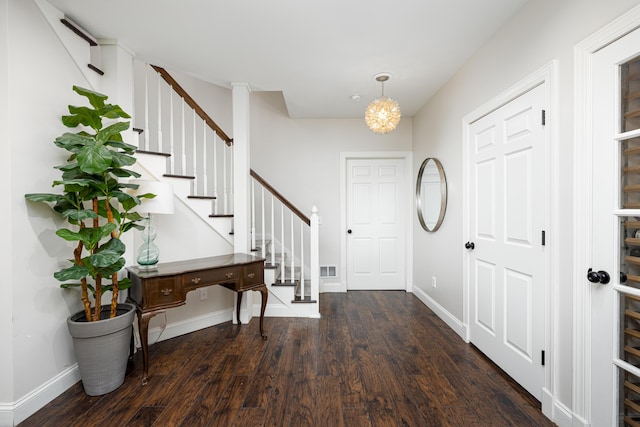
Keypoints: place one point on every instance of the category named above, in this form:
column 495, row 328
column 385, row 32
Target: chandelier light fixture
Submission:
column 382, row 114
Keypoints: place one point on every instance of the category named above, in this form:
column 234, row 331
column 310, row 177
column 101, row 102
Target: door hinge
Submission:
column 544, row 238
column 542, row 358
column 544, row 117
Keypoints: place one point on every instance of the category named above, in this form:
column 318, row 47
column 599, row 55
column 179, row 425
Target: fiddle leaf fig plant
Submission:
column 94, row 200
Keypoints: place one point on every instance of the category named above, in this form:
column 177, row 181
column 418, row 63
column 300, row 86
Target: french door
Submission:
column 614, row 276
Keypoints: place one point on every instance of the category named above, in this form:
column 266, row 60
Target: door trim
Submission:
column 582, row 184
column 546, row 75
column 407, row 156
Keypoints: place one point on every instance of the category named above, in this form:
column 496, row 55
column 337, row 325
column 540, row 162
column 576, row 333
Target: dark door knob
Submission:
column 598, row 276
column 349, row 231
column 470, row 245
column 623, row 277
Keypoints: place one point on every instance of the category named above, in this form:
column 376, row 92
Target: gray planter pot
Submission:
column 102, row 348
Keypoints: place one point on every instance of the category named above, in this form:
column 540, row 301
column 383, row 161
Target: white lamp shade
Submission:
column 161, row 204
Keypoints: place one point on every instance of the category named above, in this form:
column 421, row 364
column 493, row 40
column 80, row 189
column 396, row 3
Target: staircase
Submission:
column 179, row 143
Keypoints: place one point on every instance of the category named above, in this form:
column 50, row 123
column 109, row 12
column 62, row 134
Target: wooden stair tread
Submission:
column 202, row 197
column 221, row 216
column 155, row 153
column 632, row 224
column 169, row 175
column 632, row 241
column 634, row 150
column 632, row 260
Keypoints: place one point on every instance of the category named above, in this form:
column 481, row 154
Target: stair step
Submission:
column 285, row 283
column 155, row 153
column 202, row 197
column 307, row 294
column 169, row 175
column 221, row 216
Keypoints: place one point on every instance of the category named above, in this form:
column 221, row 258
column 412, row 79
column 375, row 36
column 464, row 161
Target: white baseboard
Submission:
column 331, row 287
column 190, row 325
column 448, row 318
column 13, row 414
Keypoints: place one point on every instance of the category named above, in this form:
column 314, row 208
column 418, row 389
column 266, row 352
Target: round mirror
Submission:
column 431, row 194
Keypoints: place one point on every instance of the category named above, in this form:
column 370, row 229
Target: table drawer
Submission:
column 162, row 291
column 211, row 277
column 252, row 274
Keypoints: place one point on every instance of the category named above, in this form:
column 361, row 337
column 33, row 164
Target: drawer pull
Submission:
column 251, row 275
column 229, row 275
column 195, row 280
column 166, row 292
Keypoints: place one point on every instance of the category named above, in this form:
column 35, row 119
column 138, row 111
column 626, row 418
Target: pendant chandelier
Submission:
column 382, row 114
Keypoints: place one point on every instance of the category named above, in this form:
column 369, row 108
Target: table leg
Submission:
column 238, row 307
column 143, row 328
column 265, row 295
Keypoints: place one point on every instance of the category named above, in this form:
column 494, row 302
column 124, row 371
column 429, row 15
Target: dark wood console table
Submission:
column 152, row 292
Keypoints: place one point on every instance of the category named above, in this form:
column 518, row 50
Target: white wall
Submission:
column 6, row 265
column 544, row 30
column 301, row 159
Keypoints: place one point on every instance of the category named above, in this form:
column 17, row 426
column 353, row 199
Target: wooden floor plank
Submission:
column 373, row 359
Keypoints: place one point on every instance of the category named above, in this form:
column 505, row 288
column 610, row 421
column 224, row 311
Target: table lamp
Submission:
column 148, row 253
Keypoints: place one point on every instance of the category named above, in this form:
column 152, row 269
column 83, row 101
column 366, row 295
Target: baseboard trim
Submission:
column 448, row 318
column 31, row 403
column 331, row 287
column 190, row 325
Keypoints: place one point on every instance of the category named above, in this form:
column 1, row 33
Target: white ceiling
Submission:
column 317, row 52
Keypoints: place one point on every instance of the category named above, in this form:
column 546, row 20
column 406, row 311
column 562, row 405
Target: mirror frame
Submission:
column 443, row 194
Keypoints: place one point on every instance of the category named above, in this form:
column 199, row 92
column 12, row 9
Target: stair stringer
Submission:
column 152, row 166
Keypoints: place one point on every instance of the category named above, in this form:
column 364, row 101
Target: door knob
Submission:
column 349, row 231
column 470, row 245
column 623, row 277
column 598, row 276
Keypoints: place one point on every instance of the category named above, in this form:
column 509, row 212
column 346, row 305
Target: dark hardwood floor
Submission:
column 373, row 359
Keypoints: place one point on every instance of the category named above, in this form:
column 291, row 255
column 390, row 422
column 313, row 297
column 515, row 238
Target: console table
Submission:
column 154, row 291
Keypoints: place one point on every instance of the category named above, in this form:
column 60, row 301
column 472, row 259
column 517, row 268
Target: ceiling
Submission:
column 318, row 53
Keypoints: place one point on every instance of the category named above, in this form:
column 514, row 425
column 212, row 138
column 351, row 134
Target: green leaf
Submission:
column 96, row 99
column 125, row 173
column 113, row 112
column 73, row 142
column 103, row 135
column 43, row 197
column 94, row 158
column 123, row 284
column 110, row 269
column 121, row 159
column 128, row 148
column 84, row 115
column 79, row 215
column 75, row 272
column 114, row 245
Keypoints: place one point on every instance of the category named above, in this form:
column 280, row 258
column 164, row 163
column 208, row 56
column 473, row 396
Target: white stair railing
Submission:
column 291, row 234
column 170, row 121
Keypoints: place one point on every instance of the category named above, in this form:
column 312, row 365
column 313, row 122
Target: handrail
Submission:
column 280, row 197
column 192, row 103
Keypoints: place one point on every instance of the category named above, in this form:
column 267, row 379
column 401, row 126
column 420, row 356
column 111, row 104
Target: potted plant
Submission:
column 94, row 201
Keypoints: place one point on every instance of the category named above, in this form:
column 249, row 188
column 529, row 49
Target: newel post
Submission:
column 314, row 255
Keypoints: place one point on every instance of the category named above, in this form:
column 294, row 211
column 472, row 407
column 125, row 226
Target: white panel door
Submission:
column 615, row 235
column 507, row 203
column 376, row 230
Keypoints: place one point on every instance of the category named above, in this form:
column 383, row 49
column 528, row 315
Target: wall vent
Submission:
column 328, row 271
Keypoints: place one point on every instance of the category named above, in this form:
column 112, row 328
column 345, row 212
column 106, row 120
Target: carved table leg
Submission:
column 238, row 307
column 143, row 327
column 265, row 295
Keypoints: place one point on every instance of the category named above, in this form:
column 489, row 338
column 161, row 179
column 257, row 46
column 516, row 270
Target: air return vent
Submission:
column 328, row 271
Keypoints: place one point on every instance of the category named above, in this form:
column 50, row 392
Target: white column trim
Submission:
column 582, row 184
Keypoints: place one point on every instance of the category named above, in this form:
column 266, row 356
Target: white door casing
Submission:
column 376, row 226
column 521, row 341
